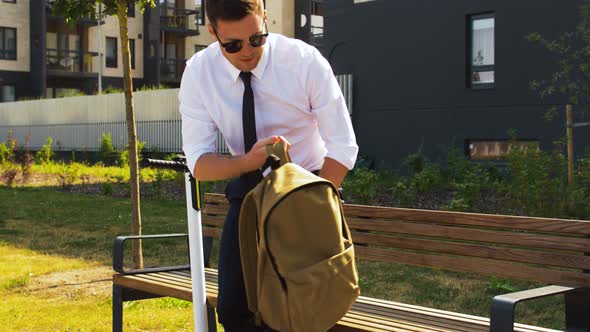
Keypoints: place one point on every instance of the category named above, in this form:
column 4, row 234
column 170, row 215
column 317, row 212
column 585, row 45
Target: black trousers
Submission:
column 232, row 304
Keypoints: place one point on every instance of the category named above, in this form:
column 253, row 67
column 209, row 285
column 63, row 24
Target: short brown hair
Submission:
column 232, row 10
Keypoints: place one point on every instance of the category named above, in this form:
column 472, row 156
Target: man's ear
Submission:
column 211, row 32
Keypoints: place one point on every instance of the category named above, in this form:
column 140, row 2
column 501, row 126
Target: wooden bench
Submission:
column 552, row 251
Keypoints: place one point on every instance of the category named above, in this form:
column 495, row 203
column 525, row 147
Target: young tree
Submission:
column 572, row 51
column 72, row 10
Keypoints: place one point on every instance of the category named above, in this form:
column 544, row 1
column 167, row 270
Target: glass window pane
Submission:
column 483, row 42
column 2, row 43
column 482, row 77
column 7, row 93
column 111, row 52
column 10, row 43
column 132, row 52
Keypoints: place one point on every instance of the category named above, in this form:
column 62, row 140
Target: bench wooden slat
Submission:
column 420, row 321
column 212, row 232
column 577, row 261
column 436, row 314
column 570, row 226
column 211, row 198
column 211, row 220
column 365, row 321
column 139, row 282
column 476, row 265
column 471, row 234
column 216, row 209
column 368, row 314
column 581, row 227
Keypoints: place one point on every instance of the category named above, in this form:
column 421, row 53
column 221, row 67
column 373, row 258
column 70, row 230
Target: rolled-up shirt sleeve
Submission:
column 329, row 107
column 199, row 132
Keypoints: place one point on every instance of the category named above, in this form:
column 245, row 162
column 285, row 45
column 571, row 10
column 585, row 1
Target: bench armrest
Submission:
column 502, row 310
column 118, row 254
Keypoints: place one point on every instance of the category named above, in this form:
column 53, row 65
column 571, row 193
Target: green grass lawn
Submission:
column 45, row 231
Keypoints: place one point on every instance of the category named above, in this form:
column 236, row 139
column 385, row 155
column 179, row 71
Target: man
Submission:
column 257, row 88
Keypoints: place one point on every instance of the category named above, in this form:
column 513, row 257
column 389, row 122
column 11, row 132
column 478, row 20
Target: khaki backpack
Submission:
column 297, row 254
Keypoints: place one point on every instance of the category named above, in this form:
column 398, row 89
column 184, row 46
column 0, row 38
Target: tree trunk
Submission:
column 137, row 257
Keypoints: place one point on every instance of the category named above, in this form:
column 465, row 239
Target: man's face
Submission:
column 227, row 31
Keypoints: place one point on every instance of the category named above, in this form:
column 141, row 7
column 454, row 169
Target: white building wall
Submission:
column 110, row 28
column 16, row 15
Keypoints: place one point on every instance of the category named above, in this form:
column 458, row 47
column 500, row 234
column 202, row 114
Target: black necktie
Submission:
column 248, row 117
column 249, row 126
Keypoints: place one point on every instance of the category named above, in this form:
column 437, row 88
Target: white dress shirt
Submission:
column 295, row 95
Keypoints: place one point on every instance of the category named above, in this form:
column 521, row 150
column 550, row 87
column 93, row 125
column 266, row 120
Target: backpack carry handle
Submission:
column 277, row 155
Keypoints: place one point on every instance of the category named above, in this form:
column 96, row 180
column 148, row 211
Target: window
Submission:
column 7, row 93
column 200, row 17
column 199, row 48
column 481, row 51
column 8, row 43
column 132, row 52
column 111, row 52
column 131, row 9
column 497, row 149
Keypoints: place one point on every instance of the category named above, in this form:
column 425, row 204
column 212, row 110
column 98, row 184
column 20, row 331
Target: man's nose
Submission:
column 247, row 49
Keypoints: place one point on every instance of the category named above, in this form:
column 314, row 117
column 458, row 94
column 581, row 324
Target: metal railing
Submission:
column 77, row 123
column 69, row 60
column 175, row 18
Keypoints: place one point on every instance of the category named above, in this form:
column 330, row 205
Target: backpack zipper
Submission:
column 270, row 255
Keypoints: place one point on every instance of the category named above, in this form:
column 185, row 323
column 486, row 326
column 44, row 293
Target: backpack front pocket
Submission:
column 321, row 294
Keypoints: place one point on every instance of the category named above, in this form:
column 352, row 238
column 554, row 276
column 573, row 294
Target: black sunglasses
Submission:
column 235, row 46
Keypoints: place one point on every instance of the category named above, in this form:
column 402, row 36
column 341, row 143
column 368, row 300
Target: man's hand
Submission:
column 257, row 155
column 213, row 167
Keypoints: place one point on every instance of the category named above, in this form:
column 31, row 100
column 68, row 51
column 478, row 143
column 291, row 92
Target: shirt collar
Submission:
column 258, row 72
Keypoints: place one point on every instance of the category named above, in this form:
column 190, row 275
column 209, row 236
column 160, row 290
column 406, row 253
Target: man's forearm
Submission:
column 214, row 167
column 333, row 171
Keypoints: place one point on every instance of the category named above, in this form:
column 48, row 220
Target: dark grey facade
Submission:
column 411, row 67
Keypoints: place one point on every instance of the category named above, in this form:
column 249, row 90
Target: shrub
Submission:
column 68, row 174
column 45, row 155
column 362, row 184
column 108, row 153
column 538, row 181
column 9, row 174
column 6, row 153
column 110, row 89
column 107, row 188
column 124, row 157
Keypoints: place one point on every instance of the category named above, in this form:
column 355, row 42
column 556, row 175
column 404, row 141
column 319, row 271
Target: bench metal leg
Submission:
column 117, row 308
column 577, row 310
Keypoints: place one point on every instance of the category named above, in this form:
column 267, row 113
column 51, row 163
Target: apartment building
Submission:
column 41, row 56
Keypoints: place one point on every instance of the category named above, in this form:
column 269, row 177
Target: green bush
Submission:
column 538, row 181
column 108, row 153
column 124, row 157
column 362, row 184
column 68, row 174
column 110, row 89
column 6, row 153
column 45, row 155
column 467, row 180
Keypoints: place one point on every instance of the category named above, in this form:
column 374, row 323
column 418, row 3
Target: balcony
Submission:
column 70, row 63
column 177, row 20
column 90, row 20
column 171, row 70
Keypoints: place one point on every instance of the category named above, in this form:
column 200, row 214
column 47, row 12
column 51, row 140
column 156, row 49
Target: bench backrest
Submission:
column 539, row 249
